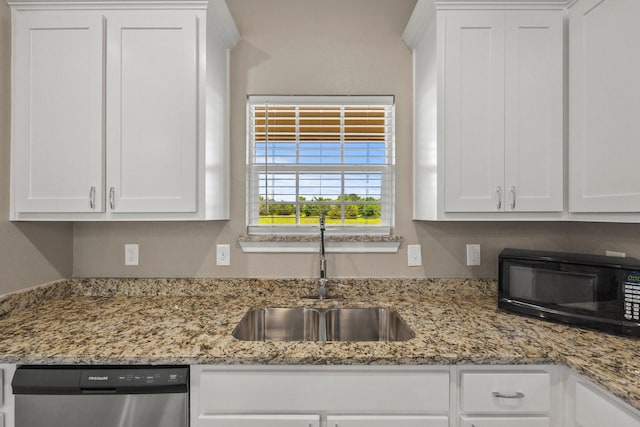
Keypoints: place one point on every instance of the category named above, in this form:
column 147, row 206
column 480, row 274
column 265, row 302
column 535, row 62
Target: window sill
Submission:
column 311, row 244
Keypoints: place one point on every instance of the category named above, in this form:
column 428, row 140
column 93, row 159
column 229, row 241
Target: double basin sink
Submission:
column 315, row 324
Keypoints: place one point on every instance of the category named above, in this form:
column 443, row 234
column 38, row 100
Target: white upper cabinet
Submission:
column 152, row 120
column 488, row 138
column 110, row 111
column 473, row 111
column 604, row 133
column 57, row 112
column 534, row 140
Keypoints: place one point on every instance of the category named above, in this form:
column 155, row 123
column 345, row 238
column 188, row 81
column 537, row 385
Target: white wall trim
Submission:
column 314, row 247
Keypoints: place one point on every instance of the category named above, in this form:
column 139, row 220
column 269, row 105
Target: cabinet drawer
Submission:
column 366, row 391
column 504, row 422
column 488, row 392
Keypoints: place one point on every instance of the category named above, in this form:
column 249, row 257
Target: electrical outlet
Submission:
column 131, row 254
column 223, row 255
column 473, row 255
column 414, row 255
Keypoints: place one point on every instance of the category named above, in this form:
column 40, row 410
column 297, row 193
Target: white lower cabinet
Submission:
column 386, row 421
column 6, row 396
column 260, row 421
column 397, row 396
column 505, row 393
column 594, row 409
column 504, row 422
column 332, row 421
column 505, row 397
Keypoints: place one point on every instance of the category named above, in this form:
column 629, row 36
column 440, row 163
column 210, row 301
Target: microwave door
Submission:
column 569, row 290
column 580, row 292
column 553, row 287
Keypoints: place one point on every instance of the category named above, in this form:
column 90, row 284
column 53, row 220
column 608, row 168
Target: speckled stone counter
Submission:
column 167, row 321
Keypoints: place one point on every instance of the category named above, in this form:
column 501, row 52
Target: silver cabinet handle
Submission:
column 516, row 395
column 92, row 197
column 112, row 198
column 512, row 190
column 499, row 197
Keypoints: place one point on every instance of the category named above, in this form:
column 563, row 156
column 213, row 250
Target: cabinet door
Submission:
column 473, row 77
column 152, row 96
column 534, row 177
column 504, row 422
column 259, row 421
column 593, row 410
column 57, row 112
column 387, row 421
column 603, row 107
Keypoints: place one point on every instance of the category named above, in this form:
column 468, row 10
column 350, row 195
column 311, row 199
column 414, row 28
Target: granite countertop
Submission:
column 172, row 321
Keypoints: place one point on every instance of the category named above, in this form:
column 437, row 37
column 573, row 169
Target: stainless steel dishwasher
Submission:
column 101, row 396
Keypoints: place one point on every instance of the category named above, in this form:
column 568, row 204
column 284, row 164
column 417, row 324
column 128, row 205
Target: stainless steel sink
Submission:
column 366, row 324
column 279, row 324
column 310, row 324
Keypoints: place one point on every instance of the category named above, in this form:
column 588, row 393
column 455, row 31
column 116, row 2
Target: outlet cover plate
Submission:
column 131, row 254
column 473, row 255
column 414, row 255
column 223, row 255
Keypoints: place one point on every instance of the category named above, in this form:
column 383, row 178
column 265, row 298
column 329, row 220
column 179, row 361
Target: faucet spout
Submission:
column 322, row 282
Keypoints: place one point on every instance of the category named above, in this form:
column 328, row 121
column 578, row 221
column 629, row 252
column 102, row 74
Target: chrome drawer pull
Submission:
column 498, row 197
column 516, row 395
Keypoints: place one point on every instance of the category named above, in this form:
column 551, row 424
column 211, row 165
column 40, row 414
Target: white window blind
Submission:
column 309, row 155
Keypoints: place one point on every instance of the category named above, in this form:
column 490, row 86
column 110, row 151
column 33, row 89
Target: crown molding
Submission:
column 106, row 4
column 502, row 5
column 425, row 10
column 220, row 20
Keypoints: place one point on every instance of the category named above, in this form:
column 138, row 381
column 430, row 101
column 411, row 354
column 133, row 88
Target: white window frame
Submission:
column 387, row 171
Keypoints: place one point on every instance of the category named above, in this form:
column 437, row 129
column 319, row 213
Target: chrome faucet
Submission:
column 322, row 282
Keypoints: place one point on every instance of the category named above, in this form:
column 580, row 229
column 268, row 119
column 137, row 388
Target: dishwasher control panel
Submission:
column 118, row 378
column 100, row 380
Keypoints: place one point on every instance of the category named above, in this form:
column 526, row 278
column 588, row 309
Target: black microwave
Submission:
column 593, row 291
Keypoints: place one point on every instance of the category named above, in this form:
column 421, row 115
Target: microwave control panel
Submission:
column 632, row 297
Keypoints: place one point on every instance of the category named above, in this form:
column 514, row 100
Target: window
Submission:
column 310, row 155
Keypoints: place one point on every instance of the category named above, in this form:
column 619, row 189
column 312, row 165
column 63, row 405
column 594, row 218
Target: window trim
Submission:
column 310, row 244
column 388, row 169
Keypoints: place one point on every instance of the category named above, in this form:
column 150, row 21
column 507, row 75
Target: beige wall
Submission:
column 325, row 47
column 30, row 254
